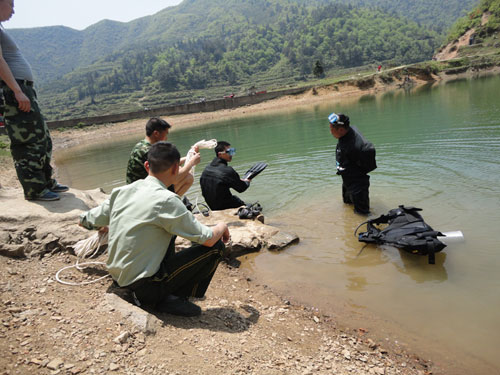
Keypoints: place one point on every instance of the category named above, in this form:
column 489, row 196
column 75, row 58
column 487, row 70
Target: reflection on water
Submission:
column 438, row 148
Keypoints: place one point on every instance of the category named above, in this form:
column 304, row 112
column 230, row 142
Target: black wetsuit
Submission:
column 216, row 180
column 355, row 158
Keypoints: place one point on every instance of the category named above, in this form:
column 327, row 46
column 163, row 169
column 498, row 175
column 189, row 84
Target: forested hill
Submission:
column 202, row 44
column 54, row 51
column 438, row 15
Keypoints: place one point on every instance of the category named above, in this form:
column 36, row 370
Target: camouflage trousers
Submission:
column 30, row 143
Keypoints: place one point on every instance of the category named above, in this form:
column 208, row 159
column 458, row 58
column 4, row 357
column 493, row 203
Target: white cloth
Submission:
column 200, row 144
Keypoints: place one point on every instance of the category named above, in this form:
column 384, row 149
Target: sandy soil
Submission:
column 49, row 328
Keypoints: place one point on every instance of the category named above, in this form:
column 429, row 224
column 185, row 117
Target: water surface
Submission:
column 438, row 148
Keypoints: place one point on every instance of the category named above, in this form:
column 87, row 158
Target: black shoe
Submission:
column 59, row 188
column 47, row 196
column 188, row 204
column 179, row 306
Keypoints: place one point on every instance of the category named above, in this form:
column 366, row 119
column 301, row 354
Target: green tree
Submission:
column 318, row 70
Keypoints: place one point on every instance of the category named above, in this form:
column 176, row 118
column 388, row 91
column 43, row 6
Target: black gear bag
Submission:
column 406, row 230
column 249, row 211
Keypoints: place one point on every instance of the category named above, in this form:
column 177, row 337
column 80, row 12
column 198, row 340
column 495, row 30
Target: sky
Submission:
column 79, row 14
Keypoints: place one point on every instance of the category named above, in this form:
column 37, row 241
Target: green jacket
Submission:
column 135, row 166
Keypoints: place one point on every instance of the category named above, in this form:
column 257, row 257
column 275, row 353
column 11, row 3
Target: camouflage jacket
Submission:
column 135, row 167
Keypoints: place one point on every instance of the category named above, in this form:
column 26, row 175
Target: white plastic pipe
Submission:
column 451, row 237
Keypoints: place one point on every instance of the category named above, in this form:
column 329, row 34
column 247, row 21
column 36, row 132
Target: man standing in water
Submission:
column 218, row 178
column 30, row 142
column 156, row 131
column 355, row 159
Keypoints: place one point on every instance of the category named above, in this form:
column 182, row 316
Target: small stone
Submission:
column 113, row 366
column 371, row 344
column 55, row 364
column 346, row 354
column 122, row 337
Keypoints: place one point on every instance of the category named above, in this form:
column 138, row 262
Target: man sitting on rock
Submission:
column 156, row 131
column 218, row 178
column 144, row 219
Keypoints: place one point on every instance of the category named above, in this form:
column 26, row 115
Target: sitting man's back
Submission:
column 218, row 178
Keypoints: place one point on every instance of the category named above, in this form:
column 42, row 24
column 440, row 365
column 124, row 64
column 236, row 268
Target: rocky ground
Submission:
column 245, row 328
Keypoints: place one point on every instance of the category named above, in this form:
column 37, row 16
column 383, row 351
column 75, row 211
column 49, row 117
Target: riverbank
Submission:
column 348, row 90
column 44, row 293
column 342, row 91
column 245, row 327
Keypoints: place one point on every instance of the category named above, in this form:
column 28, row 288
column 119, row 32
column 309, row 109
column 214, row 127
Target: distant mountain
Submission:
column 213, row 46
column 55, row 51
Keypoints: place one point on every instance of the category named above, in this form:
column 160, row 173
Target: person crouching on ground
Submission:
column 156, row 131
column 144, row 219
column 355, row 158
column 218, row 178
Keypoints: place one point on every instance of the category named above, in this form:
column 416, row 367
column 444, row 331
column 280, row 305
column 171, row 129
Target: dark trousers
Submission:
column 186, row 273
column 355, row 190
column 232, row 202
column 30, row 143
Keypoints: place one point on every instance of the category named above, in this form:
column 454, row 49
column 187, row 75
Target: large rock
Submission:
column 31, row 228
column 246, row 235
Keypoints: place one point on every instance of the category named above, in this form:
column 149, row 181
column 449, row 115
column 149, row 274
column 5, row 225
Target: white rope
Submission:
column 200, row 144
column 86, row 248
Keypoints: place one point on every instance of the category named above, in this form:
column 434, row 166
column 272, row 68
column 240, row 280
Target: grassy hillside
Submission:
column 477, row 34
column 487, row 8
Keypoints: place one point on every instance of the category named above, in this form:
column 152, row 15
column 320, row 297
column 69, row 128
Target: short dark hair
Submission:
column 343, row 121
column 162, row 155
column 221, row 147
column 155, row 123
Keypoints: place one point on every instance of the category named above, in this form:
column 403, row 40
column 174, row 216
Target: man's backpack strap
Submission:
column 431, row 250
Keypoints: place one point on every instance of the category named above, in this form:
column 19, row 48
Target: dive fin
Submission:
column 255, row 170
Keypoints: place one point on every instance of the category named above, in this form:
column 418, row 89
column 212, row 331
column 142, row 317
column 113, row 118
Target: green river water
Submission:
column 438, row 148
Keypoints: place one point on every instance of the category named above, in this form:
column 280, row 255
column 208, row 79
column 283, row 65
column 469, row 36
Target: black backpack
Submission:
column 406, row 230
column 249, row 211
column 368, row 161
